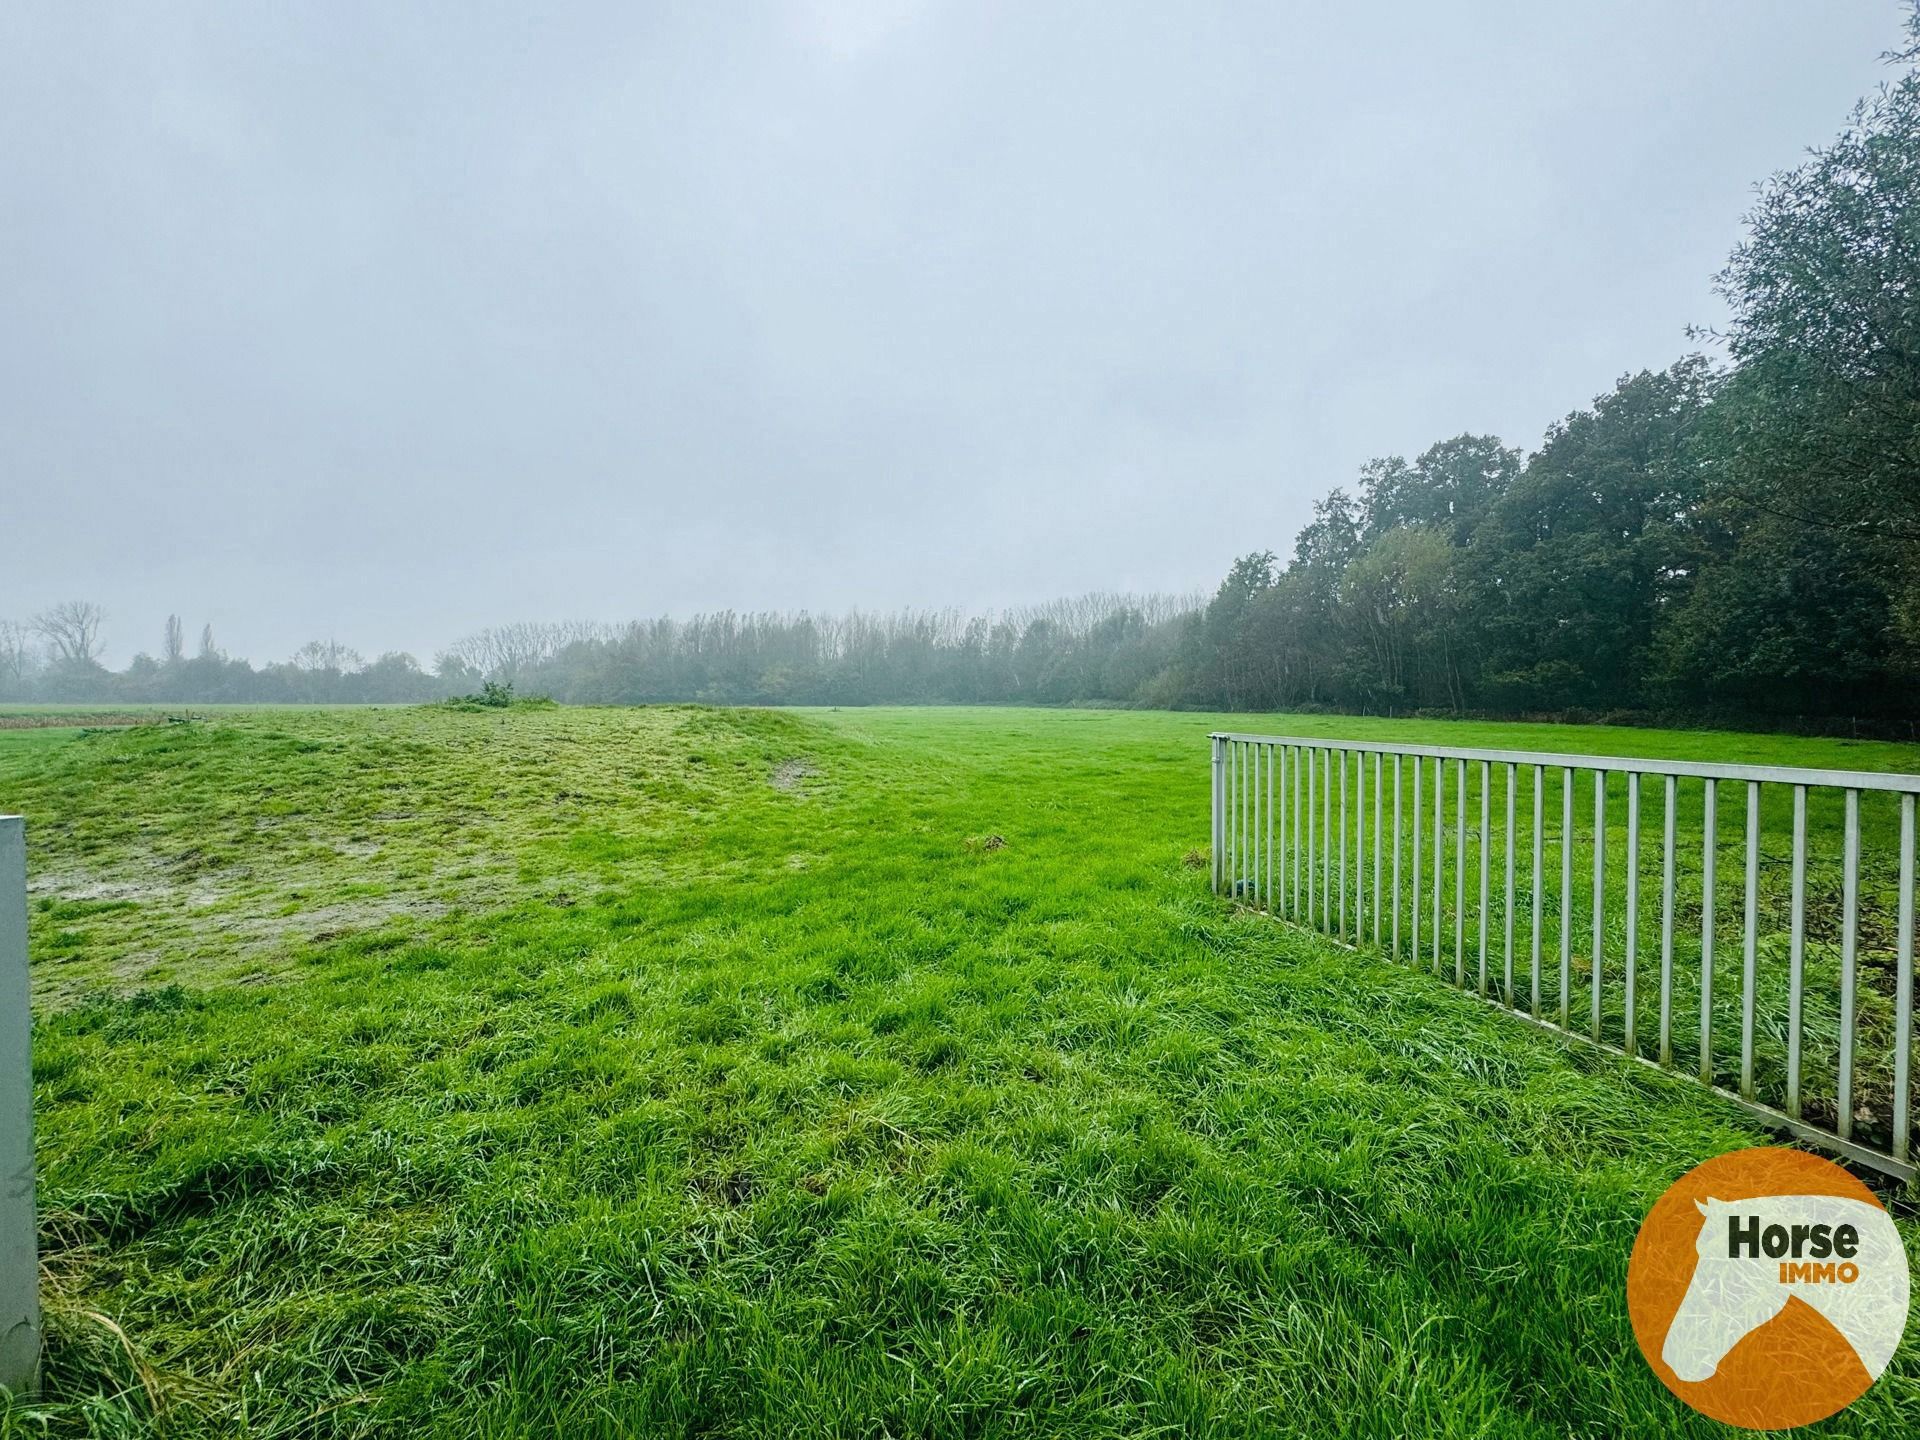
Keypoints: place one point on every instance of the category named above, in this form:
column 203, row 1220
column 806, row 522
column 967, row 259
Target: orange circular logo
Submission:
column 1768, row 1288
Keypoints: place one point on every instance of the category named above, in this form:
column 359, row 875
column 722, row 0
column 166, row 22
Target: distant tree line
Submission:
column 1736, row 541
column 1118, row 648
column 1112, row 648
column 55, row 656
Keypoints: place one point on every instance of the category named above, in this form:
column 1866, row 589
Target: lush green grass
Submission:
column 12, row 742
column 868, row 1073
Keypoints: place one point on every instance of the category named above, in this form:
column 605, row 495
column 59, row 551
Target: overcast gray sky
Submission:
column 385, row 322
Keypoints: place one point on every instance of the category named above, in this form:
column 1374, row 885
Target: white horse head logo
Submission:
column 1843, row 1257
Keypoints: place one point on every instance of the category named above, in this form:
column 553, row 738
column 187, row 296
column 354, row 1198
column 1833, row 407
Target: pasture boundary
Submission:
column 1299, row 825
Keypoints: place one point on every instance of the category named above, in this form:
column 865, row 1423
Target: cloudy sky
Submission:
column 384, row 322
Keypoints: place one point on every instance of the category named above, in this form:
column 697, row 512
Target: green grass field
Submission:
column 868, row 1073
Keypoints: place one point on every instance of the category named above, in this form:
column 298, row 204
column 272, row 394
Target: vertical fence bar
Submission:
column 1316, row 785
column 1263, row 820
column 1539, row 884
column 1379, row 771
column 1460, row 875
column 1285, row 758
column 1298, row 851
column 1340, row 920
column 1632, row 995
column 1219, row 810
column 1277, row 836
column 1233, row 812
column 1252, row 812
column 1903, row 989
column 1328, row 870
column 1323, row 840
column 1413, row 906
column 1264, row 846
column 19, row 1261
column 1849, row 943
column 1230, row 830
column 1238, row 819
column 1566, row 897
column 1273, row 752
column 1396, row 856
column 1313, row 766
column 1751, row 968
column 1486, row 860
column 1291, row 859
column 1797, row 952
column 1249, row 778
column 1666, row 924
column 1226, row 818
column 1709, row 862
column 1272, row 757
column 1250, row 823
column 1359, row 848
column 1295, row 854
column 1513, row 773
column 1317, row 822
column 1254, row 847
column 1326, row 842
column 1233, row 816
column 1439, row 836
column 1293, row 886
column 1599, row 889
column 1250, row 817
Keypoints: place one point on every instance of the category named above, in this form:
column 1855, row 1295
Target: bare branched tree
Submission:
column 72, row 631
column 16, row 652
column 505, row 651
column 320, row 655
column 173, row 648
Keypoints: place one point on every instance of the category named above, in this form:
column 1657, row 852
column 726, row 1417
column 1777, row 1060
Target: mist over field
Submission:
column 380, row 326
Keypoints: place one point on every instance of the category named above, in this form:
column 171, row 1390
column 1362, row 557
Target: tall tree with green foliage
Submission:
column 1592, row 548
column 1400, row 604
column 1822, row 427
column 1449, row 489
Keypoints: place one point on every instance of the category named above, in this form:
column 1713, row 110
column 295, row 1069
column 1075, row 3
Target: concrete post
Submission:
column 19, row 1257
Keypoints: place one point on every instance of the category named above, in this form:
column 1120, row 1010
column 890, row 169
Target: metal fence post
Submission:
column 1219, row 809
column 19, row 1258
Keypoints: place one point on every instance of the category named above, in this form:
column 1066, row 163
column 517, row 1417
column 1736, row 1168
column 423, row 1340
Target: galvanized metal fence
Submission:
column 19, row 1263
column 1551, row 903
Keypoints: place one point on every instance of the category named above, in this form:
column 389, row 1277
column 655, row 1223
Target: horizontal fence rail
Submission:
column 1749, row 925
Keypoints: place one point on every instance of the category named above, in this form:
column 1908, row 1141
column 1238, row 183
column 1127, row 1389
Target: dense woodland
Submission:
column 1736, row 537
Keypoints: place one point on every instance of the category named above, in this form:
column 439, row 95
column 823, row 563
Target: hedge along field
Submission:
column 851, row 1073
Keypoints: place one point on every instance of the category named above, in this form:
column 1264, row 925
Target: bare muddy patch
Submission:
column 788, row 775
column 144, row 889
column 77, row 720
